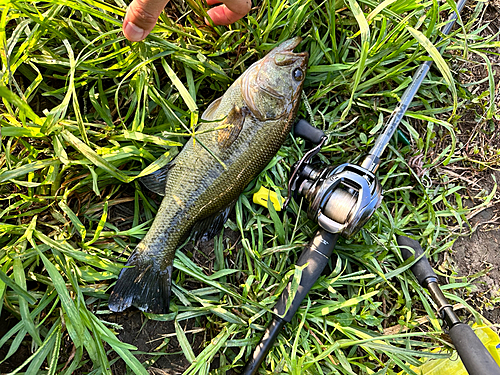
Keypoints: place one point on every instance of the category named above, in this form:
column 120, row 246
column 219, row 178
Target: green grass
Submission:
column 85, row 113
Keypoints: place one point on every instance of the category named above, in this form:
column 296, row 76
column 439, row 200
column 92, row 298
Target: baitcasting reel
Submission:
column 341, row 199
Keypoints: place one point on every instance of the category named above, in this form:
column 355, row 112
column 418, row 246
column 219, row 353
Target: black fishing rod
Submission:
column 474, row 355
column 341, row 199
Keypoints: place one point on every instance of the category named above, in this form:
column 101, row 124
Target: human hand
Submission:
column 229, row 12
column 142, row 15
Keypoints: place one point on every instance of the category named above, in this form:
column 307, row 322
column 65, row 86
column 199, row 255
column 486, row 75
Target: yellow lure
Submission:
column 263, row 195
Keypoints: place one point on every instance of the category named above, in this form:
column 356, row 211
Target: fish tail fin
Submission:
column 143, row 285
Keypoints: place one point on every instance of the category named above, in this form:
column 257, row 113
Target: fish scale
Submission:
column 244, row 129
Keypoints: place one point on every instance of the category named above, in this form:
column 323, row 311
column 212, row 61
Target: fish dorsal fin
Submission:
column 206, row 229
column 232, row 126
column 209, row 113
column 157, row 181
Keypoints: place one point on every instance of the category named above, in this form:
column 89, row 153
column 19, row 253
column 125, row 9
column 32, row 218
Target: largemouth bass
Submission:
column 246, row 128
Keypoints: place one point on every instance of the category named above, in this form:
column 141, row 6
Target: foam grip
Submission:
column 422, row 269
column 316, row 255
column 265, row 344
column 475, row 357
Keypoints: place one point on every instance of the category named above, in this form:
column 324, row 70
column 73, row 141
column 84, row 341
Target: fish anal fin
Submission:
column 157, row 181
column 142, row 285
column 209, row 114
column 232, row 126
column 209, row 227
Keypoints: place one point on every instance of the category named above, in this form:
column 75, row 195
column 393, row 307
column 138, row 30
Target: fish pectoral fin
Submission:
column 143, row 285
column 209, row 113
column 206, row 229
column 231, row 126
column 157, row 181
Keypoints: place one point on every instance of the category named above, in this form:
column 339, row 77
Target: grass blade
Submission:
column 439, row 60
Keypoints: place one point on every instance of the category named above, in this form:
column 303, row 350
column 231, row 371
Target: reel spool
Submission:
column 340, row 205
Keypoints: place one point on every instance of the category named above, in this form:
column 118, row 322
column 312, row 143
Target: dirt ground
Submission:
column 476, row 255
column 147, row 335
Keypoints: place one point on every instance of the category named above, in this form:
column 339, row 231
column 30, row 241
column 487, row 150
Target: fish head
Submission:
column 271, row 87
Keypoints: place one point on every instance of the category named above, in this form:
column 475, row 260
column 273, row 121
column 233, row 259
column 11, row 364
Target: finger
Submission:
column 230, row 11
column 141, row 17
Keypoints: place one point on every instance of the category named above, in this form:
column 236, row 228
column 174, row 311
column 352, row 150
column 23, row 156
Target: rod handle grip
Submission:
column 475, row 357
column 316, row 256
column 421, row 269
column 265, row 344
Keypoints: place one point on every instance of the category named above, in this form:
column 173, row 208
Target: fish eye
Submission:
column 298, row 74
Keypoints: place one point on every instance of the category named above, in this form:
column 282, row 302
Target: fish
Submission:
column 239, row 134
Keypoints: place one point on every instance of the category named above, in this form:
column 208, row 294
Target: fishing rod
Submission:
column 474, row 355
column 341, row 199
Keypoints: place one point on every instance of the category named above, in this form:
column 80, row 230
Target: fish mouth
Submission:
column 289, row 45
column 284, row 55
column 287, row 56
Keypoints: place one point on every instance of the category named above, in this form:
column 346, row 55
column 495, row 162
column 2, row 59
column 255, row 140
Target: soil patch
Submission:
column 478, row 258
column 150, row 336
column 477, row 255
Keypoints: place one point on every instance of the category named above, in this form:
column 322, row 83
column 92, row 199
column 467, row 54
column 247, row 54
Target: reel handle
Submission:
column 306, row 131
column 316, row 256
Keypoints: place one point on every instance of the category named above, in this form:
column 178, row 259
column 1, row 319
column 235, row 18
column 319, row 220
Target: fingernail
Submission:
column 133, row 33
